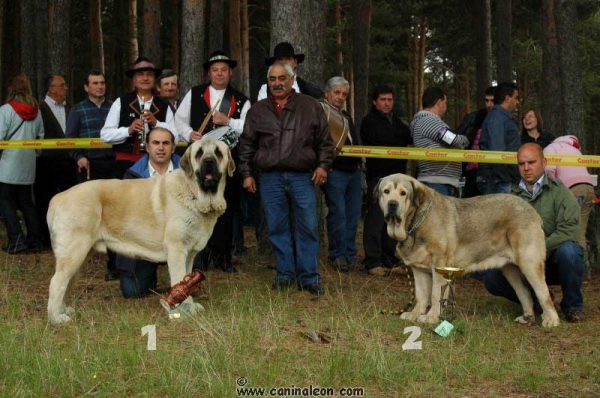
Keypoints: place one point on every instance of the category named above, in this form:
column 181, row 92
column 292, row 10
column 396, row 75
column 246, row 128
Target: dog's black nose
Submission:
column 392, row 206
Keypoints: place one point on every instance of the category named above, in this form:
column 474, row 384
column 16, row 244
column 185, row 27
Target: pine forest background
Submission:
column 549, row 47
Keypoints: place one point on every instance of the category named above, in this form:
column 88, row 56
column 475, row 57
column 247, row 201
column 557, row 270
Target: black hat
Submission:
column 284, row 49
column 219, row 56
column 142, row 64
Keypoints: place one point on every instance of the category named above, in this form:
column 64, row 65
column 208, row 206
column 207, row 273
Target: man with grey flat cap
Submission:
column 284, row 52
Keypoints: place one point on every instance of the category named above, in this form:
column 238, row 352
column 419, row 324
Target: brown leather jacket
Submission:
column 298, row 141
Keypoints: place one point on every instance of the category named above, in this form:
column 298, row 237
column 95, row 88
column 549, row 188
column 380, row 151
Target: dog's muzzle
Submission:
column 208, row 176
column 392, row 212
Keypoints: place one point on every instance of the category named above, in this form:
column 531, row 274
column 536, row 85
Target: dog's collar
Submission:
column 421, row 219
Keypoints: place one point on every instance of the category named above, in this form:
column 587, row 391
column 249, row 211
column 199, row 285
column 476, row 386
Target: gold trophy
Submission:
column 447, row 302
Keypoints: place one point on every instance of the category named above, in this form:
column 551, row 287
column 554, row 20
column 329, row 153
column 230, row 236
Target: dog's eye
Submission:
column 386, row 191
column 402, row 193
column 200, row 153
column 218, row 153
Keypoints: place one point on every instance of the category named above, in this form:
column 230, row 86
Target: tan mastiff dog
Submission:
column 491, row 231
column 168, row 218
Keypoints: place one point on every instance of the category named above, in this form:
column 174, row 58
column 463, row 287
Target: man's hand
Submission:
column 136, row 126
column 220, row 119
column 319, row 176
column 195, row 136
column 149, row 118
column 83, row 163
column 250, row 184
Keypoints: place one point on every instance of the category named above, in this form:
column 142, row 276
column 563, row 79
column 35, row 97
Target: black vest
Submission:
column 199, row 108
column 130, row 110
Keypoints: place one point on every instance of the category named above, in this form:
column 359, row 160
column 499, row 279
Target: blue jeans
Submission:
column 137, row 277
column 444, row 189
column 343, row 195
column 564, row 267
column 278, row 190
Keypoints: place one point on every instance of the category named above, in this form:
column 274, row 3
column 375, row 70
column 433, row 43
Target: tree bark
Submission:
column 192, row 44
column 313, row 14
column 42, row 67
column 361, row 25
column 245, row 48
column 133, row 51
column 339, row 55
column 484, row 50
column 235, row 40
column 175, row 39
column 216, row 24
column 503, row 41
column 60, row 37
column 551, row 86
column 461, row 91
column 96, row 41
column 28, row 42
column 417, row 43
column 570, row 71
column 151, row 47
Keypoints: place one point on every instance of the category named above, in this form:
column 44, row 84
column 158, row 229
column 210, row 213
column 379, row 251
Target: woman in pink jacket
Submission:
column 577, row 179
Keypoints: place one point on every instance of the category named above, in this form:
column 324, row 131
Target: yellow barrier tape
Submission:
column 446, row 155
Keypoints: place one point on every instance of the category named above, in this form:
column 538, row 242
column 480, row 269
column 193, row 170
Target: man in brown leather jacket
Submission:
column 286, row 144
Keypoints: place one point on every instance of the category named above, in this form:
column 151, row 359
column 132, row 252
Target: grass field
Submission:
column 251, row 336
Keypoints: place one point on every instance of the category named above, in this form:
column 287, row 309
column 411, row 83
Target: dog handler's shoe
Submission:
column 574, row 316
column 315, row 289
column 340, row 264
column 280, row 285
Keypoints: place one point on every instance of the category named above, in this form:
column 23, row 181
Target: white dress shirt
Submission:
column 59, row 111
column 153, row 173
column 183, row 115
column 111, row 133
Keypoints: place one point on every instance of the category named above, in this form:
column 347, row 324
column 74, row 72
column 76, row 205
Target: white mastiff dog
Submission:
column 160, row 219
column 491, row 231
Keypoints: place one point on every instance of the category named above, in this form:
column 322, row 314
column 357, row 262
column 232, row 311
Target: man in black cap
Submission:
column 136, row 112
column 284, row 52
column 230, row 113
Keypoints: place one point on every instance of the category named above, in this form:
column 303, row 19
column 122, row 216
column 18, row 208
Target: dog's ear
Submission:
column 419, row 192
column 185, row 163
column 230, row 164
column 375, row 196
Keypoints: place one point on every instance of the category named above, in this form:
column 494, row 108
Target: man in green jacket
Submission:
column 560, row 214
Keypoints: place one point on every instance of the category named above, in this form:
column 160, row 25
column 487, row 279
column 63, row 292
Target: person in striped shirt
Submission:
column 428, row 130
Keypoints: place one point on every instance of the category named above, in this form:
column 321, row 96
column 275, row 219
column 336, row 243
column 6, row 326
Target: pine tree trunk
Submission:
column 551, row 86
column 484, row 50
column 570, row 71
column 132, row 47
column 216, row 21
column 235, row 40
column 42, row 66
column 28, row 42
column 60, row 37
column 175, row 39
column 312, row 13
column 96, row 41
column 339, row 55
column 1, row 45
column 192, row 44
column 361, row 25
column 504, row 39
column 151, row 47
column 245, row 66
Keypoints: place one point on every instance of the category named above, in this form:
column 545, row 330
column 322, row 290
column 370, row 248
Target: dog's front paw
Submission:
column 61, row 318
column 429, row 319
column 550, row 321
column 205, row 208
column 69, row 310
column 409, row 316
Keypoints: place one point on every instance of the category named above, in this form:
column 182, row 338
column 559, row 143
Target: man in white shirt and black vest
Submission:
column 134, row 114
column 229, row 113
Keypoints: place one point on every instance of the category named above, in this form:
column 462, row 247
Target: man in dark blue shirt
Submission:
column 85, row 120
column 500, row 133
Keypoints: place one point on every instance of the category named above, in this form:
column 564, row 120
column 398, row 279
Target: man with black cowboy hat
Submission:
column 231, row 112
column 284, row 52
column 135, row 112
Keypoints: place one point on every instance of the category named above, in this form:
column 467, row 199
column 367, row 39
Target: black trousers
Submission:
column 100, row 169
column 379, row 247
column 52, row 175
